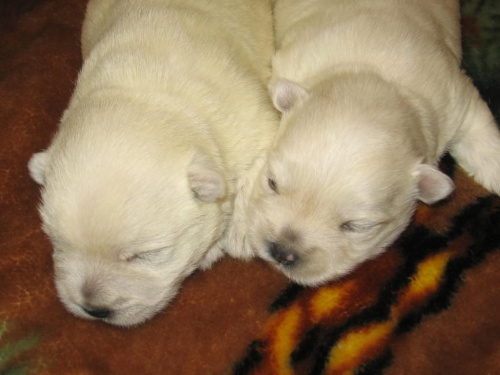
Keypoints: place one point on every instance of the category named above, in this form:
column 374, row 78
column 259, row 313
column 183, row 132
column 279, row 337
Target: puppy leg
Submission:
column 477, row 149
column 235, row 241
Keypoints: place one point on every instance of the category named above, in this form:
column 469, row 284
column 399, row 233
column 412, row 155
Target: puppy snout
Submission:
column 97, row 312
column 282, row 255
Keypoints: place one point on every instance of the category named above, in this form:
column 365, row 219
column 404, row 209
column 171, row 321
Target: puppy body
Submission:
column 372, row 95
column 169, row 112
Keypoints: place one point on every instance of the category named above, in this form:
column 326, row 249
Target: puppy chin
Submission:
column 125, row 317
column 129, row 313
column 310, row 273
column 314, row 273
column 111, row 293
column 136, row 314
column 320, row 266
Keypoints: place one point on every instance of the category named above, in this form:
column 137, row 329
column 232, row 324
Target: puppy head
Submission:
column 128, row 217
column 342, row 180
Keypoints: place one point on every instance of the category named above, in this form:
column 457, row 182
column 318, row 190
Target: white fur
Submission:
column 372, row 95
column 169, row 113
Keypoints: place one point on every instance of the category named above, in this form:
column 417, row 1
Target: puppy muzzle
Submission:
column 282, row 254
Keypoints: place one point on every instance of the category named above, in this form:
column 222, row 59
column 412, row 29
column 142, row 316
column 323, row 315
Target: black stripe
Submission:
column 377, row 365
column 286, row 297
column 252, row 359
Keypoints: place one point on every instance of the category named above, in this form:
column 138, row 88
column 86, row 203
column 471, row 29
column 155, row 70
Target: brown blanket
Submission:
column 430, row 305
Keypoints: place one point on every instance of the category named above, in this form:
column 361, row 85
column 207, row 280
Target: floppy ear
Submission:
column 433, row 185
column 37, row 166
column 286, row 94
column 205, row 180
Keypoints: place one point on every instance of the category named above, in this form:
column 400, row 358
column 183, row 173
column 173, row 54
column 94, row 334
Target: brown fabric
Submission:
column 220, row 321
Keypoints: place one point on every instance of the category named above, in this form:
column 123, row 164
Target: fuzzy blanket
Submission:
column 430, row 305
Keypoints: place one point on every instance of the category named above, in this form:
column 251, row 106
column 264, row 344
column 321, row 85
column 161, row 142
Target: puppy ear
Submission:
column 433, row 185
column 205, row 180
column 37, row 166
column 286, row 94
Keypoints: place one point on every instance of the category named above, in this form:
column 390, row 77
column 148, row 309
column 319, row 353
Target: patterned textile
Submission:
column 350, row 326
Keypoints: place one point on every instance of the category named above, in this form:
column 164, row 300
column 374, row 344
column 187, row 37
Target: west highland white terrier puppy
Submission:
column 170, row 111
column 371, row 94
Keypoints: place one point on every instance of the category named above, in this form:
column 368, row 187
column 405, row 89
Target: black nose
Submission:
column 98, row 313
column 284, row 257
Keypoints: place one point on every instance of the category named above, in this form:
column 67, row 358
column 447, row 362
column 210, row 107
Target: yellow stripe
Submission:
column 426, row 280
column 326, row 299
column 285, row 339
column 350, row 352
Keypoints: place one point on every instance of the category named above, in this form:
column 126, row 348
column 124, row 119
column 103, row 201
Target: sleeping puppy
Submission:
column 169, row 112
column 372, row 95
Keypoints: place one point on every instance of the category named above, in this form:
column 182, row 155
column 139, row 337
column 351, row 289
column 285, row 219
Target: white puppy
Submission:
column 170, row 110
column 372, row 95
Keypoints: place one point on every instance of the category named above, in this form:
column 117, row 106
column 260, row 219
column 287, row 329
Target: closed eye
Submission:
column 144, row 256
column 272, row 184
column 135, row 257
column 358, row 226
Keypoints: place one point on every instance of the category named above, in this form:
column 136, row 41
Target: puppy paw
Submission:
column 236, row 239
column 236, row 244
column 212, row 256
